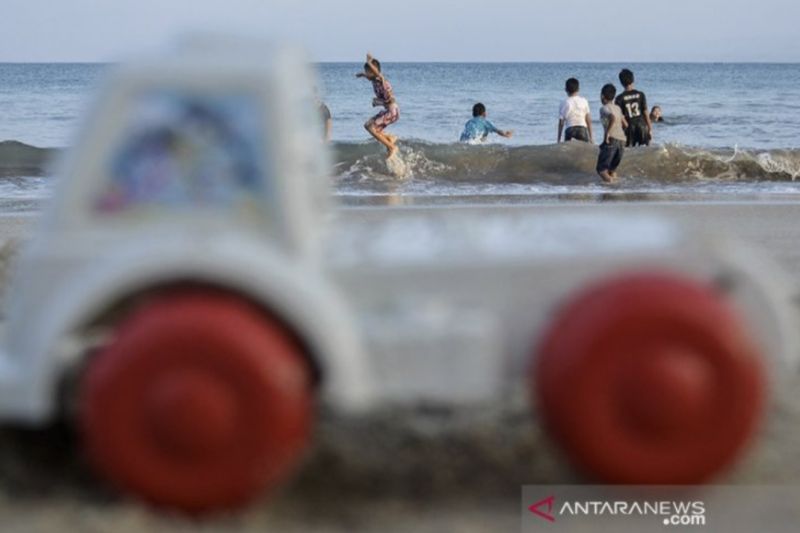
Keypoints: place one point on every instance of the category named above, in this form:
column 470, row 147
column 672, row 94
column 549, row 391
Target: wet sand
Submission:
column 426, row 470
column 16, row 227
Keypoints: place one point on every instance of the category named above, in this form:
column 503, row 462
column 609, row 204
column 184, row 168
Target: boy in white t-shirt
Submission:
column 575, row 115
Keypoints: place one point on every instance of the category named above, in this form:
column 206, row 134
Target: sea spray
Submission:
column 397, row 167
column 564, row 164
column 567, row 164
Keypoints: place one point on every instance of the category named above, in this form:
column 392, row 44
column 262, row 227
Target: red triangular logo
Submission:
column 548, row 515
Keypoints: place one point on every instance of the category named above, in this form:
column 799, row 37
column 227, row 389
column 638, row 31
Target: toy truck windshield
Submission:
column 184, row 150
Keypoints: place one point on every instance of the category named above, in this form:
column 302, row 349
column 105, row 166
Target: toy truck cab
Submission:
column 182, row 288
column 200, row 177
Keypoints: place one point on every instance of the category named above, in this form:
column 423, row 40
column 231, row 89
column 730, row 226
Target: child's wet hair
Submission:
column 608, row 92
column 375, row 63
column 572, row 86
column 478, row 110
column 626, row 77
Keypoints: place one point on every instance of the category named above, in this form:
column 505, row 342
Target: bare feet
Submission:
column 613, row 174
column 608, row 177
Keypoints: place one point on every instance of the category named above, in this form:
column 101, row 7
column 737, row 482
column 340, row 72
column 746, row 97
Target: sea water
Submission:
column 729, row 128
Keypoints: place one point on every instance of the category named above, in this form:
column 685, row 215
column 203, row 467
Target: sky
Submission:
column 415, row 30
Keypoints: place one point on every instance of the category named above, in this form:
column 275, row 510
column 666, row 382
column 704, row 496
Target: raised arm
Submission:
column 374, row 70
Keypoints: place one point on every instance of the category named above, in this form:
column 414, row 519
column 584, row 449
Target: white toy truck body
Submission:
column 204, row 168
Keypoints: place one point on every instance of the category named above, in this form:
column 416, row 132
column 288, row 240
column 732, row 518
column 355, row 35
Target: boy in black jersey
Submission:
column 634, row 107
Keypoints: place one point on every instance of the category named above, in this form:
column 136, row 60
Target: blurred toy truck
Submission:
column 190, row 300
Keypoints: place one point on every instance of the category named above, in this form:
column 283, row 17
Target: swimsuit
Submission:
column 391, row 113
column 385, row 118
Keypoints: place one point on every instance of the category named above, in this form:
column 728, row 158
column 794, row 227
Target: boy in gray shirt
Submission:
column 614, row 138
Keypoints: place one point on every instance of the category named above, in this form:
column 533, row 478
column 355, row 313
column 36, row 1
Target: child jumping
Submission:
column 614, row 125
column 384, row 97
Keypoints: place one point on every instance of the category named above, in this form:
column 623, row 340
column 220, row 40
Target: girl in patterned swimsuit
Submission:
column 384, row 97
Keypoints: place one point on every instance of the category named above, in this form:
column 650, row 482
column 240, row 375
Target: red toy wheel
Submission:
column 650, row 379
column 200, row 402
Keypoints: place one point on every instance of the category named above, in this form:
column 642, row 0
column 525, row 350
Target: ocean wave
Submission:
column 20, row 159
column 569, row 163
column 564, row 164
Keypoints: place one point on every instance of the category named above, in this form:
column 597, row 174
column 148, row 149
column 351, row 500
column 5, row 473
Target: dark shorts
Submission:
column 638, row 133
column 385, row 118
column 610, row 156
column 578, row 133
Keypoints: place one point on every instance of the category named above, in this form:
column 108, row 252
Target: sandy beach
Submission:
column 525, row 230
column 427, row 470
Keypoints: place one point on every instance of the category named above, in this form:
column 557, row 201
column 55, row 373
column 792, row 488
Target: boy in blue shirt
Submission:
column 478, row 128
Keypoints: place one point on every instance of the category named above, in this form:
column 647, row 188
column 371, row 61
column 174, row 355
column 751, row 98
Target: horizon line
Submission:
column 461, row 62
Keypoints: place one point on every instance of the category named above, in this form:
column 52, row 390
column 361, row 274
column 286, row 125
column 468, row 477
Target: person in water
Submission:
column 634, row 107
column 478, row 128
column 614, row 137
column 326, row 118
column 575, row 115
column 384, row 97
column 656, row 115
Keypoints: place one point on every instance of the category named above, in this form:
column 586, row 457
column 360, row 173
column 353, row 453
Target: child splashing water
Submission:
column 384, row 97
